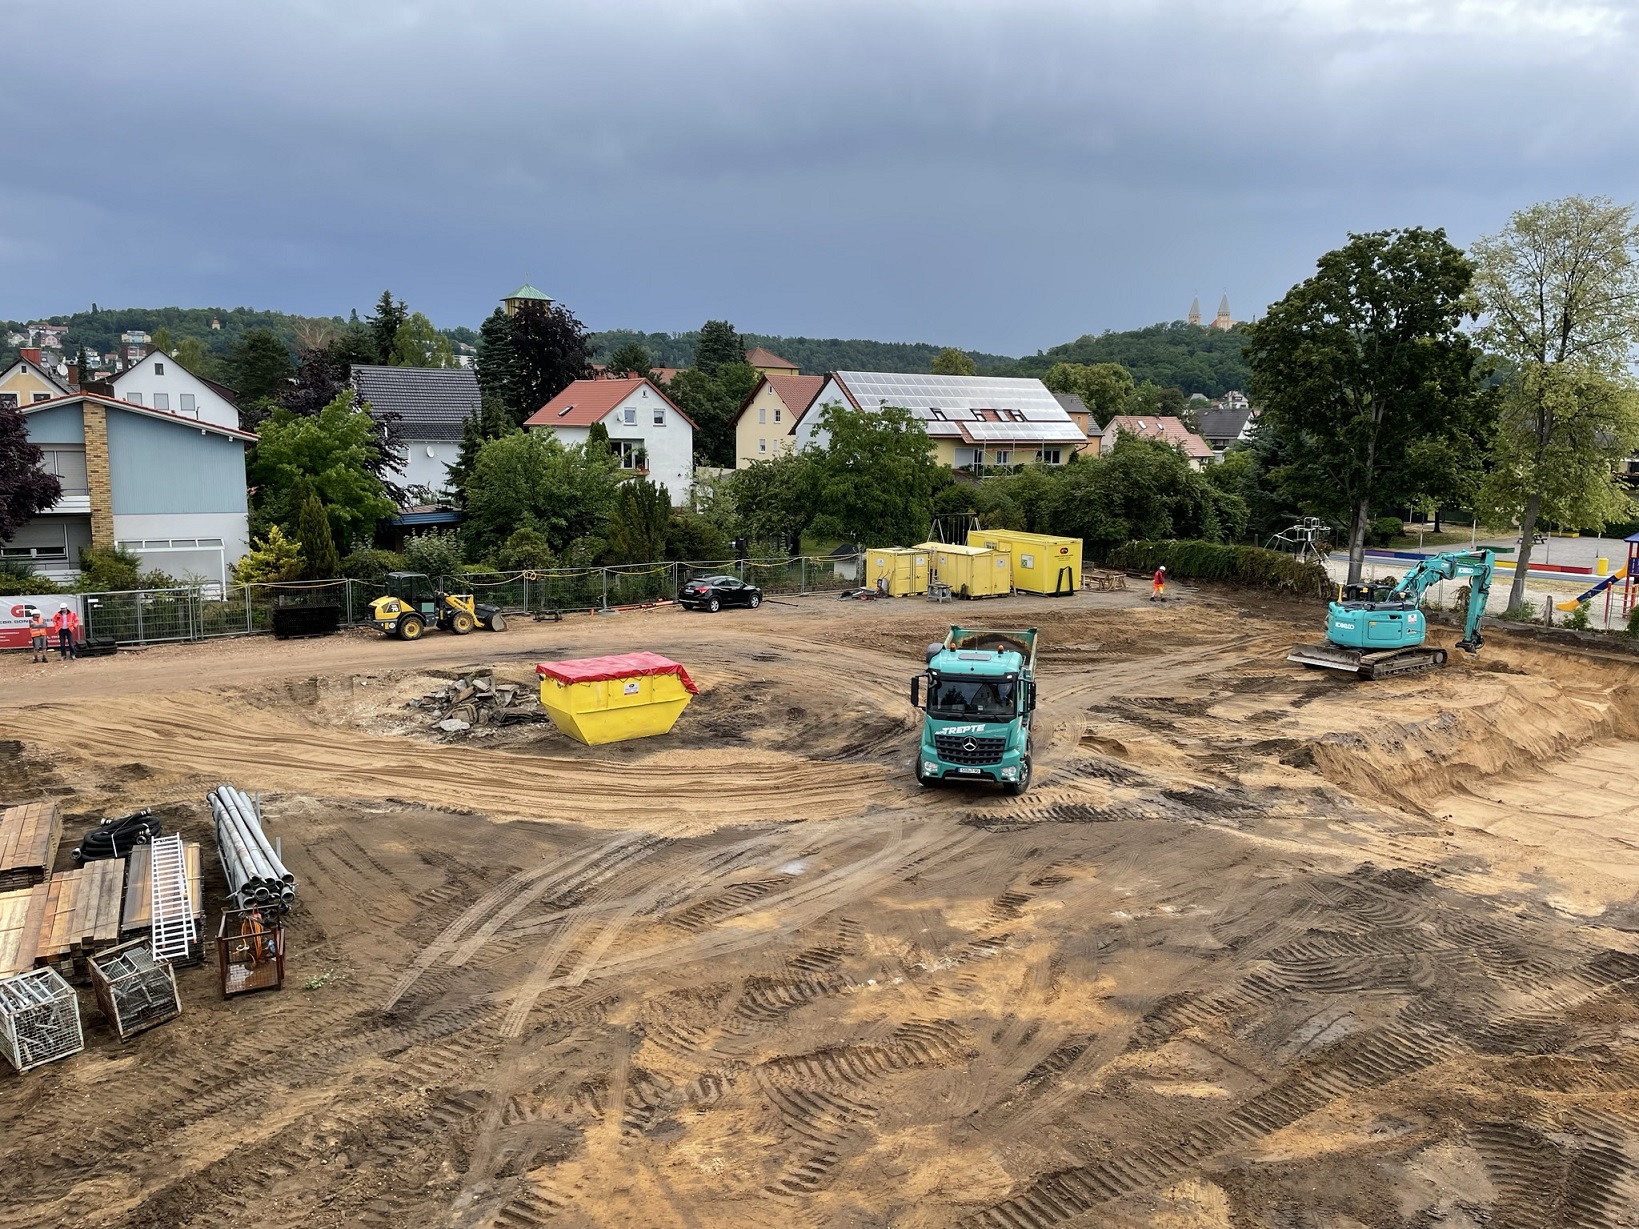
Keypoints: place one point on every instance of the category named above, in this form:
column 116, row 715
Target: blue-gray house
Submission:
column 168, row 488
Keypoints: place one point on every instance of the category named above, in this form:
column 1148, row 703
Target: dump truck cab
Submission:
column 979, row 701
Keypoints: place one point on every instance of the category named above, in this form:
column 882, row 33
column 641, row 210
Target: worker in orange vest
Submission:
column 37, row 633
column 66, row 623
column 1158, row 583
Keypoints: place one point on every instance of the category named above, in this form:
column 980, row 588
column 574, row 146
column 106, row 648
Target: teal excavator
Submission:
column 1377, row 630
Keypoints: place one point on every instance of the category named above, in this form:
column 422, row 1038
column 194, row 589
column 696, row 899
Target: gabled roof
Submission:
column 1073, row 404
column 231, row 396
column 588, row 401
column 432, row 403
column 945, row 404
column 758, row 357
column 114, row 403
column 1224, row 424
column 39, row 369
column 1167, row 429
column 796, row 393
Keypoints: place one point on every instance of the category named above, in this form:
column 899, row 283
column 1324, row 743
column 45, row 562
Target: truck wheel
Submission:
column 410, row 627
column 497, row 622
column 461, row 623
column 1015, row 788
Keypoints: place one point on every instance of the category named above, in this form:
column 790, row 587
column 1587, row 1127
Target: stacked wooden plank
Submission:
column 28, row 844
column 83, row 912
column 137, row 918
column 22, row 916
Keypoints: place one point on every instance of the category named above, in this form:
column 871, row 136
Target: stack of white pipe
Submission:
column 256, row 876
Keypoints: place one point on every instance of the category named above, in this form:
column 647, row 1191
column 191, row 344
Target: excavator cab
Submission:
column 413, row 603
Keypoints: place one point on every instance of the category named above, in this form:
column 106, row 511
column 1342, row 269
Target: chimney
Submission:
column 73, row 375
column 31, row 356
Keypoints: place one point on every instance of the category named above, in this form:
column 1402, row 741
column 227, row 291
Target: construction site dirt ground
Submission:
column 1261, row 947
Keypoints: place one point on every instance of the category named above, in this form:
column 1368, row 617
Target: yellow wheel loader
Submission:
column 413, row 603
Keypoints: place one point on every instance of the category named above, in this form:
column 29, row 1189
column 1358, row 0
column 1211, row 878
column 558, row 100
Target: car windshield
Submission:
column 990, row 699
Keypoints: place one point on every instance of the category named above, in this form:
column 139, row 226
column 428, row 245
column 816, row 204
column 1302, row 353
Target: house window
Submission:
column 659, row 417
column 162, row 401
column 776, row 413
column 1003, row 457
column 631, row 453
column 69, row 466
column 631, row 415
column 187, row 403
column 762, row 414
column 8, row 401
column 39, row 397
column 159, row 369
column 134, row 398
column 762, row 445
column 1047, row 456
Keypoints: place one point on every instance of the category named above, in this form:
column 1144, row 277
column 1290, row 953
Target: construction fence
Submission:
column 158, row 616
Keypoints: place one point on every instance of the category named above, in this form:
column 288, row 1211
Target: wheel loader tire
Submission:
column 410, row 627
column 461, row 623
column 497, row 622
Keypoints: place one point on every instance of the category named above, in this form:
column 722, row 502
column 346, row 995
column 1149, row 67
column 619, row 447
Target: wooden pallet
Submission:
column 83, row 912
column 136, row 917
column 29, row 836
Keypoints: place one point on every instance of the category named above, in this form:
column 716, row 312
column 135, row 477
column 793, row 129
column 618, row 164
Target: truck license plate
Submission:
column 968, row 772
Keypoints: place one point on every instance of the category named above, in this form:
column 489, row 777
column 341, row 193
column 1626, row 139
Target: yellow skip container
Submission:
column 1041, row 563
column 611, row 699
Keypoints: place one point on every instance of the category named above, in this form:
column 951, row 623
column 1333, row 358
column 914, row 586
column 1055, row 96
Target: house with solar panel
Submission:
column 432, row 405
column 975, row 422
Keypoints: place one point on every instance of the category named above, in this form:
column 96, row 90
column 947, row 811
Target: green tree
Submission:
column 490, row 421
column 875, row 476
column 384, row 325
column 1361, row 362
column 713, row 402
column 638, row 525
column 26, row 489
column 719, row 345
column 549, row 350
column 261, row 366
column 527, row 550
column 272, row 558
column 494, row 367
column 192, row 356
column 953, row 362
column 631, row 359
column 313, row 537
column 336, row 451
column 437, row 553
column 774, row 500
column 1559, row 288
column 418, row 344
column 528, row 479
column 161, row 340
column 1103, row 387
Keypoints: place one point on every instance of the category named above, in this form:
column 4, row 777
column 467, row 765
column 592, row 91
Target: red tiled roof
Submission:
column 1169, row 430
column 797, row 392
column 758, row 357
column 587, row 401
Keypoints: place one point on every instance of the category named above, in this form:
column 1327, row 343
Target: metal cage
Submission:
column 250, row 951
column 39, row 1019
column 134, row 990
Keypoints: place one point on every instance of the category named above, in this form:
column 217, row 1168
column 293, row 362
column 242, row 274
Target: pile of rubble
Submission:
column 480, row 701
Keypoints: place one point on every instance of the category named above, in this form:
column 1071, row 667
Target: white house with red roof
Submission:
column 648, row 434
column 1166, row 429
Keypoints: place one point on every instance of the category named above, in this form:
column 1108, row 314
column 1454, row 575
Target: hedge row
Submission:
column 1250, row 567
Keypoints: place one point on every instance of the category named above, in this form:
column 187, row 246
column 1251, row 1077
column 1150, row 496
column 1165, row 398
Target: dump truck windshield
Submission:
column 987, row 699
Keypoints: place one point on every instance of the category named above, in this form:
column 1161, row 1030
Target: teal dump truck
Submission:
column 980, row 696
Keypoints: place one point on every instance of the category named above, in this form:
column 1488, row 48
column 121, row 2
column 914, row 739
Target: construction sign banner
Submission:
column 14, row 615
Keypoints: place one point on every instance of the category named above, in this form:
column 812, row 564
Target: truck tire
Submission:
column 461, row 623
column 410, row 627
column 1015, row 788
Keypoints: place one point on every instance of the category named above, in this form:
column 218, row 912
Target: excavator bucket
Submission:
column 1326, row 656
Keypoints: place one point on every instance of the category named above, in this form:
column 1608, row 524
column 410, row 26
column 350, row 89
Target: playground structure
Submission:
column 1628, row 574
column 1309, row 539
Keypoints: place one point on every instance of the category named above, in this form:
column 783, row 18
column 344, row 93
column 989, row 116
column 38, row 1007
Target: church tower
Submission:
column 1195, row 311
column 1223, row 320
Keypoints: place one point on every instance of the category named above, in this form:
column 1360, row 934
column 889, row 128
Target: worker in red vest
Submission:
column 66, row 623
column 37, row 633
column 1158, row 584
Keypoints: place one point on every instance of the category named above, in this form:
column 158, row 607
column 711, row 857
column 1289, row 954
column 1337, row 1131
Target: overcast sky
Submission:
column 1000, row 176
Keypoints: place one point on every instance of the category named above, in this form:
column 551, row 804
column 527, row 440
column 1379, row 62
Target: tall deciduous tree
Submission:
column 1559, row 288
column 336, row 451
column 26, row 490
column 529, row 480
column 876, row 475
column 953, row 362
column 719, row 345
column 774, row 500
column 418, row 344
column 490, row 421
column 384, row 324
column 261, row 368
column 1361, row 363
column 322, row 375
column 1103, row 387
column 712, row 402
column 550, row 349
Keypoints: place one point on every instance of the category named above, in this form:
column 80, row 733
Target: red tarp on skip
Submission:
column 618, row 666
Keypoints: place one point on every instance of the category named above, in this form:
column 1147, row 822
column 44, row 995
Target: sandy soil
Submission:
column 1262, row 947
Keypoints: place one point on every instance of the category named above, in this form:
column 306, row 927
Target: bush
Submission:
column 271, row 559
column 1250, row 567
column 108, row 569
column 367, row 563
column 1384, row 530
column 690, row 536
column 527, row 550
column 1577, row 620
column 17, row 577
column 1633, row 622
column 437, row 553
column 1527, row 613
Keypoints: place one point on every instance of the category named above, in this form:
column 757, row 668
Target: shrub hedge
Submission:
column 1251, row 567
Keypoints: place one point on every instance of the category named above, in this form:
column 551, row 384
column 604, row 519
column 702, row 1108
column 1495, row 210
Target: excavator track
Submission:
column 1380, row 665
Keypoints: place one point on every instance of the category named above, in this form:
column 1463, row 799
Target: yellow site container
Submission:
column 971, row 571
column 1041, row 563
column 611, row 699
column 904, row 569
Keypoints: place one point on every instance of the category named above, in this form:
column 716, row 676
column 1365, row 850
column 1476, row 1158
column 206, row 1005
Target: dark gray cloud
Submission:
column 1004, row 176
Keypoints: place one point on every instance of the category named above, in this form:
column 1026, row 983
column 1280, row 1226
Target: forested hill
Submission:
column 813, row 355
column 99, row 329
column 1186, row 356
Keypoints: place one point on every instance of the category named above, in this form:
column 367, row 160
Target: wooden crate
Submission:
column 82, row 912
column 136, row 918
column 29, row 836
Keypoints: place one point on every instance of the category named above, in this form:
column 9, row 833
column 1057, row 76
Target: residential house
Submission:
column 763, row 428
column 169, row 489
column 29, row 380
column 974, row 421
column 134, row 345
column 433, row 404
column 1221, row 428
column 649, row 434
column 47, row 336
column 159, row 382
column 769, row 363
column 1168, row 430
column 1079, row 414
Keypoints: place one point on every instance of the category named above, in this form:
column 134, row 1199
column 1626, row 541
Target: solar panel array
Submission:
column 962, row 394
column 1007, row 432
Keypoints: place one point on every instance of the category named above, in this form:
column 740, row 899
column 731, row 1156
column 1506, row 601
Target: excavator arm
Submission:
column 1474, row 565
